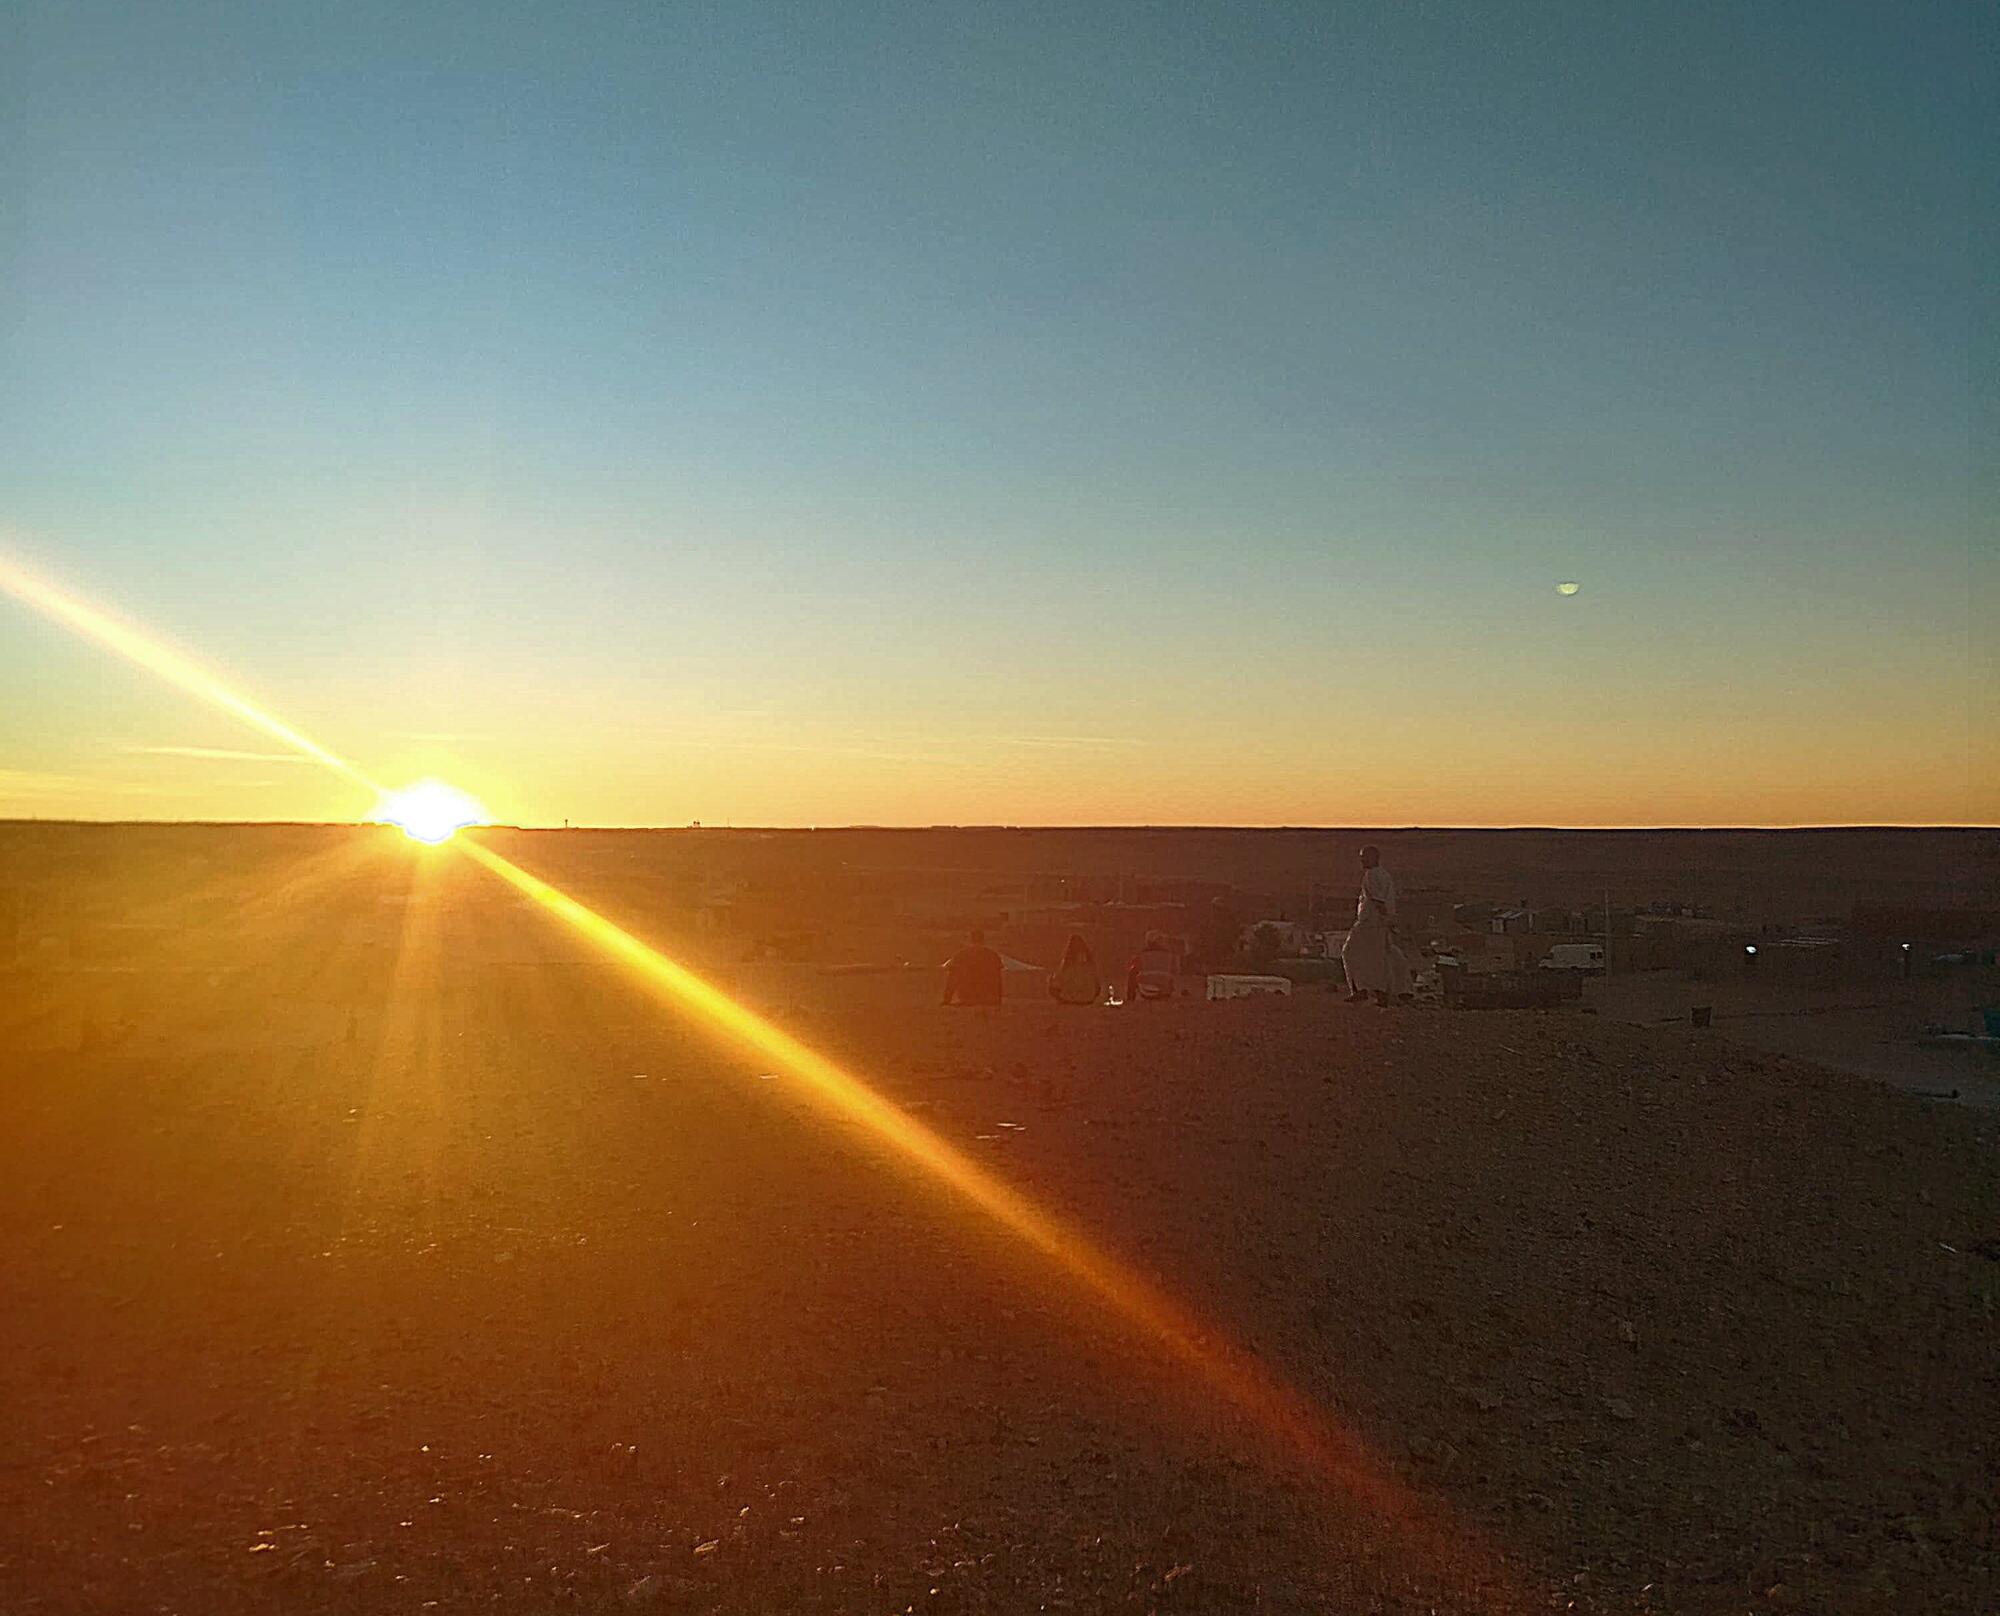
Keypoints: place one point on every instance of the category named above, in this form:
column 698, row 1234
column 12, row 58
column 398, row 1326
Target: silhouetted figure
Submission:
column 1375, row 965
column 1076, row 980
column 972, row 975
column 1152, row 971
column 1216, row 941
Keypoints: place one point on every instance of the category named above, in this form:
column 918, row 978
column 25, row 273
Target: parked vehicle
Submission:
column 1574, row 957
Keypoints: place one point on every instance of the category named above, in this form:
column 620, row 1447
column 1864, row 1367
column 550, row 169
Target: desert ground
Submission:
column 366, row 1246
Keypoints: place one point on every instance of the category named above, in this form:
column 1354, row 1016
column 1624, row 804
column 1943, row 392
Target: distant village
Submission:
column 1470, row 946
column 778, row 921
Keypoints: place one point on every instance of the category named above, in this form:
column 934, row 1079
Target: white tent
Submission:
column 1020, row 980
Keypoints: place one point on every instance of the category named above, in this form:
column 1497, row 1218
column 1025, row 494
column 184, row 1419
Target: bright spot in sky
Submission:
column 1567, row 588
column 429, row 811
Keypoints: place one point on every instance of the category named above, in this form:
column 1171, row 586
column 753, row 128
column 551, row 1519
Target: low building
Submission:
column 1282, row 936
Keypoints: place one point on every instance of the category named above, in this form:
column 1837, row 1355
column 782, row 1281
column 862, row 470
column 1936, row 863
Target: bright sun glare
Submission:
column 429, row 811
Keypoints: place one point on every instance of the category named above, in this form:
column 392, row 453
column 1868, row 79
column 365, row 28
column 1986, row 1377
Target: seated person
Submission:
column 972, row 975
column 1076, row 981
column 1152, row 971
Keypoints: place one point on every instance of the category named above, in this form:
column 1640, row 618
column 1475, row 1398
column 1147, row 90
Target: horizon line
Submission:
column 7, row 821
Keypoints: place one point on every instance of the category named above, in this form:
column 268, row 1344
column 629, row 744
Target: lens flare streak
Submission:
column 1282, row 1412
column 181, row 671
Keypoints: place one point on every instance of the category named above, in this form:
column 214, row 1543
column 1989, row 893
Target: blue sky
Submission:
column 792, row 414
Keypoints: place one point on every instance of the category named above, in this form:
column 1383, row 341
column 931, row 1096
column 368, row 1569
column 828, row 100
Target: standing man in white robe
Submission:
column 1374, row 964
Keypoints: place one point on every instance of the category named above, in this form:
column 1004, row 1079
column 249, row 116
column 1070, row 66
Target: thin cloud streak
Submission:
column 28, row 780
column 220, row 754
column 889, row 751
column 1089, row 742
column 34, row 782
column 826, row 751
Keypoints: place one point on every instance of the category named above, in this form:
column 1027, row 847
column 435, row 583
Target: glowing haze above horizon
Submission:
column 930, row 413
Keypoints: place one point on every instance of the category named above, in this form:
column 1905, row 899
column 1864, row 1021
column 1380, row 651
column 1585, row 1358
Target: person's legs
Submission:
column 1365, row 959
column 1351, row 963
column 1399, row 973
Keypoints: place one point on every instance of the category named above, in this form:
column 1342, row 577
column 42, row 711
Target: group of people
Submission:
column 976, row 975
column 1377, row 968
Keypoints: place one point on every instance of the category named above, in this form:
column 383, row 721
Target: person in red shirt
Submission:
column 972, row 975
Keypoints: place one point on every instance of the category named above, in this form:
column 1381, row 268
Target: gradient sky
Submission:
column 825, row 413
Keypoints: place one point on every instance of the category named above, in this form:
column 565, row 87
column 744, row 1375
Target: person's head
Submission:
column 1371, row 855
column 978, row 938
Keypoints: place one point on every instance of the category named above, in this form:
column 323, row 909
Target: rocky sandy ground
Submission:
column 534, row 1309
column 1873, row 1029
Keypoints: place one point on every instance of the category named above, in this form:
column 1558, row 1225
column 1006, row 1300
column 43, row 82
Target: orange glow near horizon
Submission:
column 1462, row 766
column 1300, row 1429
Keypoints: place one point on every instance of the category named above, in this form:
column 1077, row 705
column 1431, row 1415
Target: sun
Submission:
column 429, row 811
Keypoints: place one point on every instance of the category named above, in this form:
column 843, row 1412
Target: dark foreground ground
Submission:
column 539, row 1304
